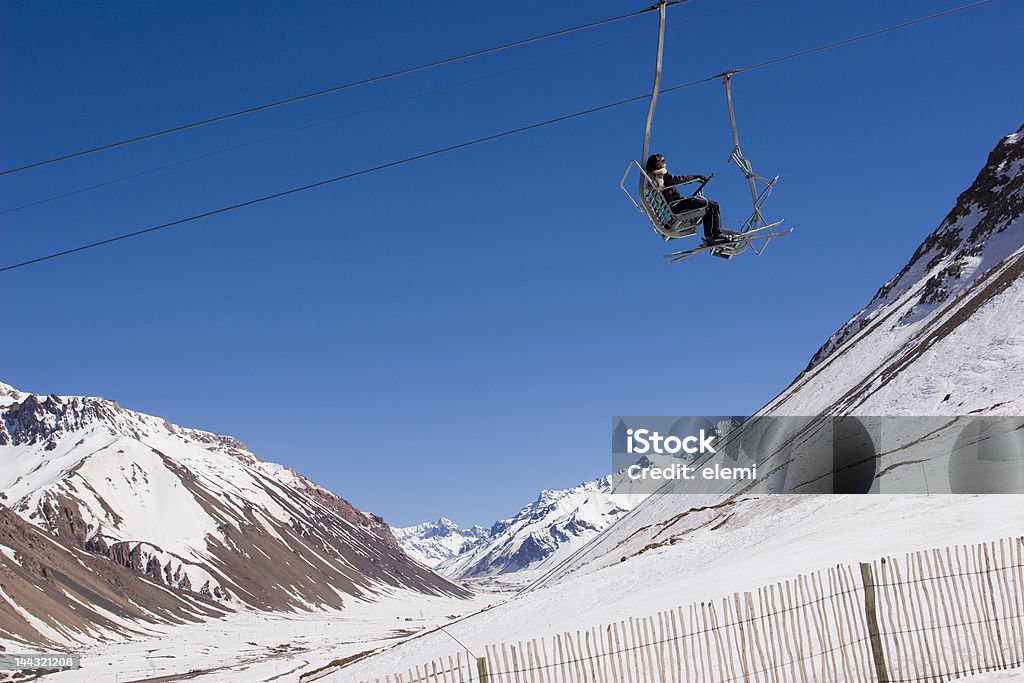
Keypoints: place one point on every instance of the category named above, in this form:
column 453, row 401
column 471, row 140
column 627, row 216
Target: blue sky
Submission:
column 451, row 336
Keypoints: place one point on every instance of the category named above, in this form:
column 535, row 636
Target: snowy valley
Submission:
column 256, row 557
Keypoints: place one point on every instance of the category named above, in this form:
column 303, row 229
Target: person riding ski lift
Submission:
column 664, row 181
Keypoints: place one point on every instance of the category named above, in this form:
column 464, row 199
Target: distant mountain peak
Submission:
column 556, row 523
column 432, row 543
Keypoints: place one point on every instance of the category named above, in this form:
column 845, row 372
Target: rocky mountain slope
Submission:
column 945, row 335
column 53, row 594
column 195, row 515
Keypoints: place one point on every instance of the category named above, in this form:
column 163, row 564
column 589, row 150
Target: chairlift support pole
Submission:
column 756, row 220
column 737, row 154
column 651, row 201
column 662, row 6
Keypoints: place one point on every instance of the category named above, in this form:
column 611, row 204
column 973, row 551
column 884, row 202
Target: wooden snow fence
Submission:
column 931, row 616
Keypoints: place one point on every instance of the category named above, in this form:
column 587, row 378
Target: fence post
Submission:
column 872, row 618
column 481, row 669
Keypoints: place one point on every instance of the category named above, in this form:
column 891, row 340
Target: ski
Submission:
column 738, row 243
column 677, row 256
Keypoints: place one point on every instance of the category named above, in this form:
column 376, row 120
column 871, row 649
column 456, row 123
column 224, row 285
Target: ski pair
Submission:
column 738, row 243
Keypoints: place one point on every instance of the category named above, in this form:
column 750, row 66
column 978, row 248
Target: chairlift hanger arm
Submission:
column 756, row 221
column 662, row 6
column 737, row 154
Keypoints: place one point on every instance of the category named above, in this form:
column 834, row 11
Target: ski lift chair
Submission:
column 653, row 204
column 755, row 233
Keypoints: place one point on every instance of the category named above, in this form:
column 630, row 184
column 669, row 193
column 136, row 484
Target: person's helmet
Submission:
column 653, row 162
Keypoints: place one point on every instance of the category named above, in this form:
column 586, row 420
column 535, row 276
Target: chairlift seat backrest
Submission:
column 680, row 224
column 652, row 203
column 661, row 208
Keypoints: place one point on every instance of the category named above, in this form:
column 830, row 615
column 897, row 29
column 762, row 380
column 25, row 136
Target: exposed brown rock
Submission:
column 319, row 552
column 44, row 573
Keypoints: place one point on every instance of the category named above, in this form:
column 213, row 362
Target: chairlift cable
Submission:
column 338, row 88
column 298, row 129
column 452, row 148
column 864, row 36
column 322, row 122
column 321, row 183
column 333, row 119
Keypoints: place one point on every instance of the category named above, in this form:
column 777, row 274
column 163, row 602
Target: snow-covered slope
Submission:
column 431, row 543
column 544, row 532
column 946, row 334
column 706, row 555
column 190, row 510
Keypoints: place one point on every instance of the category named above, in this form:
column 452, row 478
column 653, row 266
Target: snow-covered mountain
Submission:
column 431, row 543
column 544, row 532
column 183, row 509
column 946, row 334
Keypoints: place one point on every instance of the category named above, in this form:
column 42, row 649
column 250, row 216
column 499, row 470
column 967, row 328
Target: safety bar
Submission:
column 622, row 183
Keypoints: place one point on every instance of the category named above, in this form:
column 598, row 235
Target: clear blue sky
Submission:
column 449, row 337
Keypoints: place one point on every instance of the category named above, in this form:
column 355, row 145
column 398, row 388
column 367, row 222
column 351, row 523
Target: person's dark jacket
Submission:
column 670, row 193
